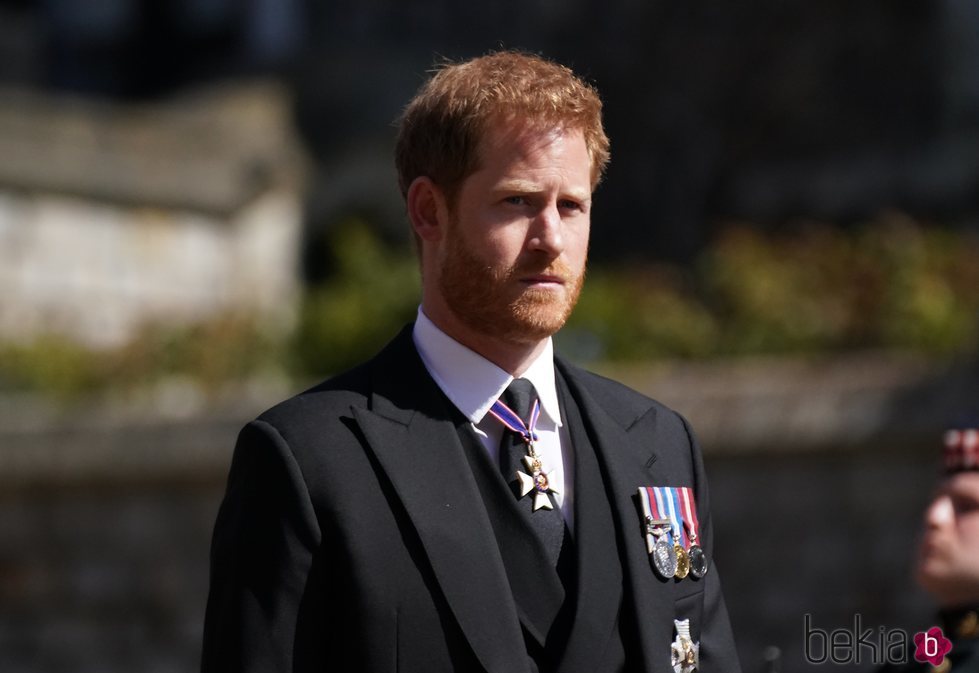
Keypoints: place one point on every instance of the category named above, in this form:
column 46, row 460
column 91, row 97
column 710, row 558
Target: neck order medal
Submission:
column 535, row 479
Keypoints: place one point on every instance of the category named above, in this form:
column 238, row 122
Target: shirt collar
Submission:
column 473, row 383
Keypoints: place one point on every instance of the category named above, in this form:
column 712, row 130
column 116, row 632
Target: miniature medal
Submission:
column 654, row 529
column 684, row 652
column 664, row 557
column 672, row 499
column 657, row 527
column 698, row 560
column 682, row 561
column 695, row 554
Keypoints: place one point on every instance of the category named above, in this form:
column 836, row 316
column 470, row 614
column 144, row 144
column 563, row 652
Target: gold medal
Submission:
column 682, row 562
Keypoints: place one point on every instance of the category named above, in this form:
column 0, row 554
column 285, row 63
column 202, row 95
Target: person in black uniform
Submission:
column 467, row 501
column 947, row 565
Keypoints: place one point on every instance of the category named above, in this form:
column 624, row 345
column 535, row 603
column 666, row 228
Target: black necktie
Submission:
column 520, row 396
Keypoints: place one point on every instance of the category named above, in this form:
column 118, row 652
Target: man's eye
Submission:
column 570, row 205
column 965, row 505
column 516, row 200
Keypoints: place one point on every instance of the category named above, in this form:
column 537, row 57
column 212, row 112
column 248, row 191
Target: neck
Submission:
column 512, row 357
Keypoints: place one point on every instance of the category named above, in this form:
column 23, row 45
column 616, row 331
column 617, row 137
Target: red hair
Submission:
column 441, row 128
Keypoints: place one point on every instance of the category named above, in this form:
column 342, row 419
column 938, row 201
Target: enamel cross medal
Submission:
column 684, row 652
column 535, row 479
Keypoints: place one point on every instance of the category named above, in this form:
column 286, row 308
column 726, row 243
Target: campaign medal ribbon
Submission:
column 672, row 499
column 695, row 553
column 658, row 530
column 535, row 479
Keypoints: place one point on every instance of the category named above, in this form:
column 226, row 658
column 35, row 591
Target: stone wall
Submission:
column 98, row 272
column 116, row 215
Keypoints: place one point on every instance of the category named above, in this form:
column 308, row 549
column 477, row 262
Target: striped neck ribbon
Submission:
column 511, row 420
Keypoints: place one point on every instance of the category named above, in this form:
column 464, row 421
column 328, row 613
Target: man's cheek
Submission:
column 969, row 539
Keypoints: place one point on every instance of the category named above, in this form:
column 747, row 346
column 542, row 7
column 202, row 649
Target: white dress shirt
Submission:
column 473, row 383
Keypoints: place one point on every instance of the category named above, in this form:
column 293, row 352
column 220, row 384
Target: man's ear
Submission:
column 427, row 209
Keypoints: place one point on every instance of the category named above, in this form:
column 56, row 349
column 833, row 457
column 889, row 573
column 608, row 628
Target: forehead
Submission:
column 963, row 484
column 507, row 137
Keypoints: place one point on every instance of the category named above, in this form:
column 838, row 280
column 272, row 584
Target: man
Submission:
column 465, row 501
column 948, row 557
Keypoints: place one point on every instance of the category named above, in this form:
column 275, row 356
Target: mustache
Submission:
column 554, row 267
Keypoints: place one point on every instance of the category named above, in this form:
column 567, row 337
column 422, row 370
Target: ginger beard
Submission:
column 491, row 300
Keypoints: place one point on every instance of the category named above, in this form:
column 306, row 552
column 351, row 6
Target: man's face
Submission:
column 948, row 560
column 513, row 259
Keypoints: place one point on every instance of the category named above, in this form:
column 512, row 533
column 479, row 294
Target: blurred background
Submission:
column 199, row 216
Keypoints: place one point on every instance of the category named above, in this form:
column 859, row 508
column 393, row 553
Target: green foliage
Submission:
column 214, row 352
column 372, row 294
column 640, row 313
column 49, row 364
column 221, row 350
column 888, row 284
column 929, row 287
column 810, row 289
column 774, row 295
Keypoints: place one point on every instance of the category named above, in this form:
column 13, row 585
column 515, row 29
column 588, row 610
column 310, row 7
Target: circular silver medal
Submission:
column 664, row 558
column 698, row 560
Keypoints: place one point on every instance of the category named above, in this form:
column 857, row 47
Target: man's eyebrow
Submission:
column 580, row 195
column 531, row 187
column 518, row 185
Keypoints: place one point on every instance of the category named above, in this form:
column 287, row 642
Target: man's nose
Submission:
column 940, row 512
column 546, row 232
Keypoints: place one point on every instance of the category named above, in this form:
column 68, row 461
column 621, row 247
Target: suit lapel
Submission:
column 409, row 430
column 623, row 440
column 599, row 578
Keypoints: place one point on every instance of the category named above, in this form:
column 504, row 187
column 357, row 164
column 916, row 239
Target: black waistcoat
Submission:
column 572, row 616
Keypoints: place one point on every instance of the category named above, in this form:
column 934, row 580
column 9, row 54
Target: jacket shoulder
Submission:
column 321, row 404
column 326, row 409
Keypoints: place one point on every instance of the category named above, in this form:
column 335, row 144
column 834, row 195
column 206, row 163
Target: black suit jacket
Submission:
column 353, row 537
